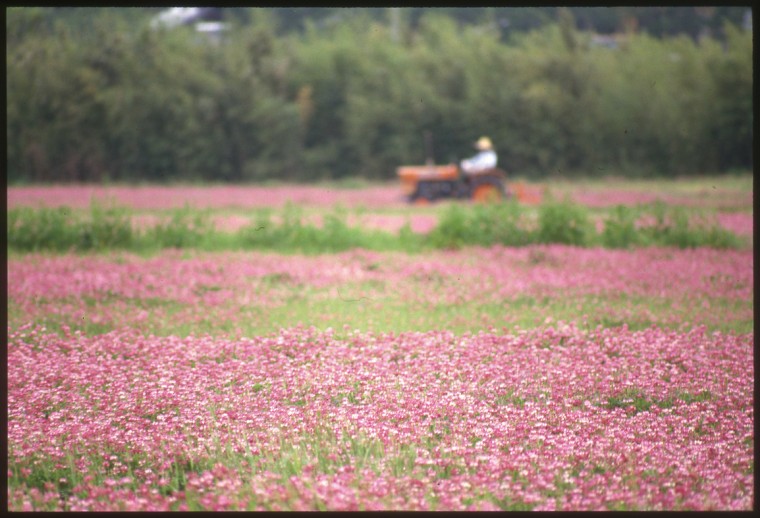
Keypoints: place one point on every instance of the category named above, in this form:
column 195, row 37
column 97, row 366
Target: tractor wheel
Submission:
column 424, row 194
column 486, row 193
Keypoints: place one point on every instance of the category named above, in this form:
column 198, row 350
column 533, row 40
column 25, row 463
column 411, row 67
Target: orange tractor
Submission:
column 428, row 183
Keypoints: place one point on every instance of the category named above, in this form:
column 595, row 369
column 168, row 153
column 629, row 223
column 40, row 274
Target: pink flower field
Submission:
column 548, row 419
column 544, row 377
column 494, row 287
column 234, row 381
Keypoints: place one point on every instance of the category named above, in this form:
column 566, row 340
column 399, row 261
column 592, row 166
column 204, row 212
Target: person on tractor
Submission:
column 483, row 161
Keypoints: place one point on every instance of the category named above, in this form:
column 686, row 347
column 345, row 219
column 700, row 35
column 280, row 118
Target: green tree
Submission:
column 96, row 94
column 730, row 108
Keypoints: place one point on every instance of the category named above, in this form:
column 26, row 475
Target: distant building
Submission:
column 207, row 20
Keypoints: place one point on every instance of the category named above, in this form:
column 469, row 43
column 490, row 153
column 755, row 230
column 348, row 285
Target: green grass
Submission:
column 323, row 451
column 460, row 225
column 638, row 401
column 377, row 307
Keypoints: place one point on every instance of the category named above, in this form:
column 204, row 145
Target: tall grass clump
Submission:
column 292, row 234
column 674, row 226
column 61, row 228
column 620, row 228
column 460, row 225
column 502, row 223
column 453, row 230
column 718, row 237
column 409, row 241
column 185, row 228
column 106, row 228
column 564, row 223
column 481, row 225
column 34, row 229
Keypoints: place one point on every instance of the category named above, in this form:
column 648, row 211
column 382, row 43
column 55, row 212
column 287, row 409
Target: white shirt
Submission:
column 483, row 161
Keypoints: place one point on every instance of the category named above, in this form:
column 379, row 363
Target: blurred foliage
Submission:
column 101, row 229
column 96, row 95
column 61, row 229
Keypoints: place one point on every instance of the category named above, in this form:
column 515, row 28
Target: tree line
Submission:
column 119, row 101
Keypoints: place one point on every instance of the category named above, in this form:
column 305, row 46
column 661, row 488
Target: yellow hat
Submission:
column 484, row 143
